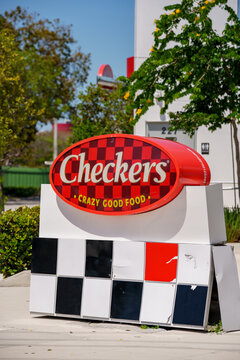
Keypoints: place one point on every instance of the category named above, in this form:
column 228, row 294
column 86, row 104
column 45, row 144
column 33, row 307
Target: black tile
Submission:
column 91, row 190
column 111, row 142
column 190, row 305
column 128, row 142
column 101, row 153
column 126, row 300
column 98, row 258
column 93, row 143
column 126, row 191
column 44, row 256
column 156, row 153
column 69, row 295
column 137, row 152
column 108, row 192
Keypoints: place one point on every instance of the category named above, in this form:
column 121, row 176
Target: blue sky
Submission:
column 104, row 28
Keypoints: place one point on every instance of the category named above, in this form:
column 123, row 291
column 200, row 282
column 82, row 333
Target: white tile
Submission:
column 194, row 264
column 157, row 302
column 42, row 293
column 71, row 257
column 128, row 260
column 96, row 298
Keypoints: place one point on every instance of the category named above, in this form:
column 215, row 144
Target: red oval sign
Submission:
column 125, row 174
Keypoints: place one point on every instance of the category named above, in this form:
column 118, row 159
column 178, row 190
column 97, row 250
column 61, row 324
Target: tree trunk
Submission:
column 236, row 142
column 1, row 191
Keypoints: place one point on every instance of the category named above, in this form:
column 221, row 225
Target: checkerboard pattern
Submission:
column 104, row 151
column 148, row 283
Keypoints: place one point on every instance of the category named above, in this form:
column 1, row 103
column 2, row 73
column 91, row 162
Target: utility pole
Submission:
column 55, row 139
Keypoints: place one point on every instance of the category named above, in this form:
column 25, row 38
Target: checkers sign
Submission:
column 125, row 174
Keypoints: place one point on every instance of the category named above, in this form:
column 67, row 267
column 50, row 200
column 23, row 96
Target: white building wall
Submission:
column 221, row 160
column 220, row 157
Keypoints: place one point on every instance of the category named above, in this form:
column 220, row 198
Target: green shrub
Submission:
column 17, row 229
column 21, row 191
column 232, row 221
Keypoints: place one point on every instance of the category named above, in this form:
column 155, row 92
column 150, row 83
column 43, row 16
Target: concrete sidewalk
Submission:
column 25, row 337
column 15, row 203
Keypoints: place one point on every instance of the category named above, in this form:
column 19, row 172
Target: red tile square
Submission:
column 119, row 142
column 102, row 142
column 110, row 155
column 66, row 191
column 161, row 262
column 93, row 154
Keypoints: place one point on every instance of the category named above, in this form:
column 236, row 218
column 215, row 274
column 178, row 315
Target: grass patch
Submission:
column 216, row 328
column 232, row 221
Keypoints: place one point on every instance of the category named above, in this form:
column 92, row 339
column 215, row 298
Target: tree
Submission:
column 100, row 112
column 190, row 58
column 17, row 110
column 39, row 75
column 53, row 80
column 41, row 149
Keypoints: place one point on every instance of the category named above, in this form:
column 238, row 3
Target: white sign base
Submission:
column 152, row 268
column 228, row 287
column 194, row 216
